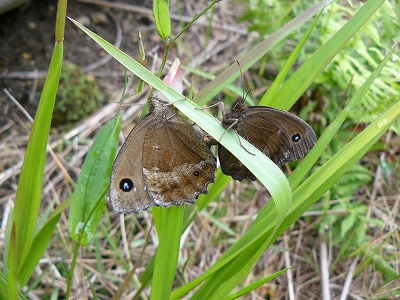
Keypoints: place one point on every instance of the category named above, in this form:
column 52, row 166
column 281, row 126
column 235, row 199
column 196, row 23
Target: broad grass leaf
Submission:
column 89, row 197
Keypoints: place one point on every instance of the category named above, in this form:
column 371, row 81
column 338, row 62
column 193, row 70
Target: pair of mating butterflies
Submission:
column 165, row 160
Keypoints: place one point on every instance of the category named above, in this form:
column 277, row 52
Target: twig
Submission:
column 349, row 279
column 324, row 272
column 289, row 272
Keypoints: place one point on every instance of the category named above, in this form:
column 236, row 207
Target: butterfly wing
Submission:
column 178, row 164
column 280, row 135
column 128, row 192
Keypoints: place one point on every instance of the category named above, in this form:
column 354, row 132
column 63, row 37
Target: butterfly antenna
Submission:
column 252, row 88
column 241, row 78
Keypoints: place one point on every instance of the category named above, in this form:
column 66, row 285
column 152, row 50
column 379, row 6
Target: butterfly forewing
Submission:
column 127, row 188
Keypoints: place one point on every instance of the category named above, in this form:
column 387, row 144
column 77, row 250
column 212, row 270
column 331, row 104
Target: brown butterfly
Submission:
column 280, row 135
column 164, row 161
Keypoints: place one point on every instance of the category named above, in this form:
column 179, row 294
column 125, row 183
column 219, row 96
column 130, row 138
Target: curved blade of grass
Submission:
column 27, row 201
column 297, row 84
column 89, row 198
column 260, row 165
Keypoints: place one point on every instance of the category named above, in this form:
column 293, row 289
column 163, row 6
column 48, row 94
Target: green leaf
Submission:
column 3, row 289
column 348, row 223
column 29, row 192
column 386, row 269
column 274, row 88
column 168, row 223
column 40, row 243
column 255, row 285
column 162, row 18
column 89, row 197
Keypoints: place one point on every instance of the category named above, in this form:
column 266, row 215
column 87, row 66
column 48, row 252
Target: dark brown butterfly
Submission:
column 280, row 135
column 164, row 161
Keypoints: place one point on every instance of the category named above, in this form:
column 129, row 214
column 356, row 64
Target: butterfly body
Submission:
column 280, row 135
column 164, row 161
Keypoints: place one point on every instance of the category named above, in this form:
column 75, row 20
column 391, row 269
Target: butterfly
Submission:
column 280, row 135
column 164, row 161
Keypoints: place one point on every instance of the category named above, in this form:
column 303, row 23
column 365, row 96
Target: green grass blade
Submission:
column 29, row 192
column 40, row 243
column 297, row 84
column 274, row 88
column 148, row 273
column 168, row 223
column 3, row 289
column 28, row 196
column 255, row 285
column 12, row 286
column 89, row 198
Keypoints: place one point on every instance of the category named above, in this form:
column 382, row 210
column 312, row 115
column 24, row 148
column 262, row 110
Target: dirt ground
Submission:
column 27, row 40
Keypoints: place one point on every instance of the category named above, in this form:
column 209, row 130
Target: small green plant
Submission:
column 77, row 96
